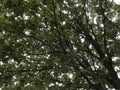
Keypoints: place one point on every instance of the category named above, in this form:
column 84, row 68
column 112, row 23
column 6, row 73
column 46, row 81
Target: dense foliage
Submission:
column 59, row 45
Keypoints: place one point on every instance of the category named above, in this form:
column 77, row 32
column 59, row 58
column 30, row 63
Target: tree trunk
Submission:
column 115, row 81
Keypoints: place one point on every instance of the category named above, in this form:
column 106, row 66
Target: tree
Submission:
column 59, row 45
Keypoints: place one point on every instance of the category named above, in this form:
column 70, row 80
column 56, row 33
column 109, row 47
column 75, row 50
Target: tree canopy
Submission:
column 59, row 45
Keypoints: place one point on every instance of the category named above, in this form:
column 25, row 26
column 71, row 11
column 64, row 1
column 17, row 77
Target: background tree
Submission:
column 59, row 44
